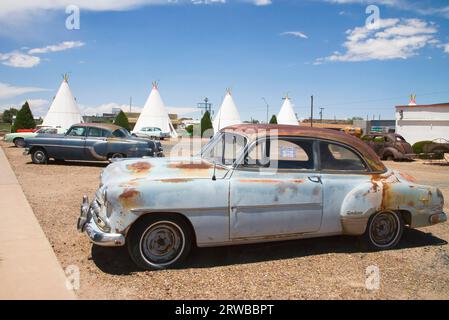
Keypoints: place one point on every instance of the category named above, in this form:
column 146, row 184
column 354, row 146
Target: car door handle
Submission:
column 315, row 179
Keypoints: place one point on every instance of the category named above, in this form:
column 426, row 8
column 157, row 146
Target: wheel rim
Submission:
column 20, row 143
column 162, row 243
column 384, row 229
column 117, row 156
column 39, row 156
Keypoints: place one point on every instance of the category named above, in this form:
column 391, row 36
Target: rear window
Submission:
column 120, row 133
column 336, row 157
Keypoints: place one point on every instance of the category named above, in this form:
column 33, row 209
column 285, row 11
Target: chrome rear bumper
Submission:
column 87, row 224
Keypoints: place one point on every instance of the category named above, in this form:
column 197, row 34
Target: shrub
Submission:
column 206, row 123
column 24, row 119
column 418, row 147
column 189, row 130
column 122, row 120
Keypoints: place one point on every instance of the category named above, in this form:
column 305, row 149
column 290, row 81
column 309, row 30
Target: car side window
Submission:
column 95, row 132
column 77, row 132
column 227, row 149
column 118, row 133
column 283, row 153
column 336, row 157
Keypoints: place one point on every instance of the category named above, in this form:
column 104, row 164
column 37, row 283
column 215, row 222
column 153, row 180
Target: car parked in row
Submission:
column 151, row 133
column 255, row 183
column 18, row 138
column 90, row 142
column 389, row 146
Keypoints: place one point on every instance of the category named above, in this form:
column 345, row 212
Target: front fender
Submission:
column 202, row 201
column 358, row 206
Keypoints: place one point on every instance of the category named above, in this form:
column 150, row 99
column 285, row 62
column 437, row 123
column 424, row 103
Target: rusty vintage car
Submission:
column 389, row 146
column 255, row 183
column 90, row 142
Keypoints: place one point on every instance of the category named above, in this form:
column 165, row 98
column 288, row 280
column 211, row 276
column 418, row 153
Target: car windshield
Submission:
column 120, row 133
column 224, row 148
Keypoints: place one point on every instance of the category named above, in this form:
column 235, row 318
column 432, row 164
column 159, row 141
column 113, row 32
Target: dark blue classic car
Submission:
column 90, row 142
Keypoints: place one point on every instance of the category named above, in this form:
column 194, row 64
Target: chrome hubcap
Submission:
column 39, row 156
column 384, row 229
column 162, row 243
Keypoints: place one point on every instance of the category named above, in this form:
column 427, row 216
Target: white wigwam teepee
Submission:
column 64, row 111
column 228, row 114
column 154, row 114
column 287, row 114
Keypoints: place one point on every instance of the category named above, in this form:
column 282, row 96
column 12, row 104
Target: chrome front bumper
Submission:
column 87, row 224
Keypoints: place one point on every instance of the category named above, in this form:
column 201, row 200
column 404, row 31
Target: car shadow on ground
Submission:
column 75, row 163
column 116, row 260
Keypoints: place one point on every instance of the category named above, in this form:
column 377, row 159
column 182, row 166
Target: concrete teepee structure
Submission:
column 228, row 114
column 287, row 114
column 154, row 114
column 64, row 111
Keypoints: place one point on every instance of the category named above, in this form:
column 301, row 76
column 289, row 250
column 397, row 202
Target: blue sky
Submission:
column 259, row 48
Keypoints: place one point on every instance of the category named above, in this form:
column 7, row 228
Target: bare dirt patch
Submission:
column 327, row 268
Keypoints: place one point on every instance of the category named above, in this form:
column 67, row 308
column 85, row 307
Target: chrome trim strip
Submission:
column 303, row 206
column 149, row 210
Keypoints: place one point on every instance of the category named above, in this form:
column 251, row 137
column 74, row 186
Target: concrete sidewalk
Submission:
column 28, row 266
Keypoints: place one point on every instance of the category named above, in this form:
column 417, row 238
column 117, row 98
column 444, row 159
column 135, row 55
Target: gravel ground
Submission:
column 326, row 268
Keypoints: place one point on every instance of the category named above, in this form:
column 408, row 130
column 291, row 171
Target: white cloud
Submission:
column 208, row 1
column 297, row 34
column 393, row 39
column 57, row 47
column 262, row 2
column 107, row 108
column 419, row 6
column 446, row 48
column 38, row 107
column 8, row 91
column 17, row 59
column 25, row 7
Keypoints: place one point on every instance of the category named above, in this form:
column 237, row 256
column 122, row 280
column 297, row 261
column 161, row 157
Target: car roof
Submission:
column 253, row 131
column 107, row 126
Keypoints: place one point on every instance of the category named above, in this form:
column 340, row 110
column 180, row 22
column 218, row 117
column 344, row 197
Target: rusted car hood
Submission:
column 176, row 170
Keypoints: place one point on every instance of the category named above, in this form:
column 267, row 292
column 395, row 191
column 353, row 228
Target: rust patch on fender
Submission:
column 284, row 187
column 190, row 165
column 259, row 181
column 139, row 167
column 129, row 198
column 131, row 183
column 408, row 177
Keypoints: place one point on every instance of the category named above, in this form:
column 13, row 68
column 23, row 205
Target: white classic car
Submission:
column 255, row 183
column 151, row 133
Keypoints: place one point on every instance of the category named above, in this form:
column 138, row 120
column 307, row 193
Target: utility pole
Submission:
column 268, row 106
column 311, row 111
column 321, row 115
column 206, row 106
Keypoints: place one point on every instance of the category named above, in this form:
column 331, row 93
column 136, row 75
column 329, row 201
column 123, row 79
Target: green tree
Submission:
column 24, row 119
column 189, row 130
column 206, row 123
column 9, row 114
column 122, row 120
column 273, row 120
